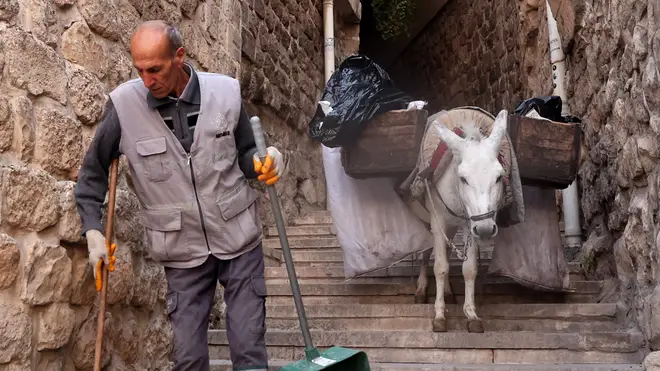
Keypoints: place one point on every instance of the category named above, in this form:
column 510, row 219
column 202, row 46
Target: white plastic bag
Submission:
column 374, row 226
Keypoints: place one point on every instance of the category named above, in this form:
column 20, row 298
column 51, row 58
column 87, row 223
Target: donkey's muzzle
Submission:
column 484, row 229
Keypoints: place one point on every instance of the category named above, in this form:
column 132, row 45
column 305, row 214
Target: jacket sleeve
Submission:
column 92, row 182
column 245, row 144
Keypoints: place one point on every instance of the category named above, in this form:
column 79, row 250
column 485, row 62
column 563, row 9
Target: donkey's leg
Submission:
column 441, row 271
column 470, row 270
column 423, row 279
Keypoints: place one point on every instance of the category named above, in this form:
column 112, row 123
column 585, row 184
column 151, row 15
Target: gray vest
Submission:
column 192, row 205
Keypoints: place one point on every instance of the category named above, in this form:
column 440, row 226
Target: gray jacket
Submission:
column 195, row 198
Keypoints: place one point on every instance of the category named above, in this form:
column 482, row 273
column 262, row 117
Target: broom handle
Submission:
column 104, row 289
column 279, row 221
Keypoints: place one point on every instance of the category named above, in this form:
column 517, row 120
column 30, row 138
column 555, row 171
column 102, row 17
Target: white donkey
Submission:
column 467, row 194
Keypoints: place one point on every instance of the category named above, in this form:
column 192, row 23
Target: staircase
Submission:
column 524, row 330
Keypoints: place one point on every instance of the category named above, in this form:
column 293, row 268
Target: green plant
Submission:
column 393, row 16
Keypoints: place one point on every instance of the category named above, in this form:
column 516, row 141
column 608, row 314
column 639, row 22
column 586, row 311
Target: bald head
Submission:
column 157, row 53
column 156, row 35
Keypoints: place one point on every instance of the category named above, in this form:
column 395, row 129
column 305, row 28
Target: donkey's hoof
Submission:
column 439, row 325
column 420, row 299
column 475, row 325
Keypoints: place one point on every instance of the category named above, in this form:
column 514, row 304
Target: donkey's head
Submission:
column 480, row 173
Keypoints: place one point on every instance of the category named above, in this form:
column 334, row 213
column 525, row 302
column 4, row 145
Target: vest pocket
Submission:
column 242, row 224
column 163, row 231
column 156, row 164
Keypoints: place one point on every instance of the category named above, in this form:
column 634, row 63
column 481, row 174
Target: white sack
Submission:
column 374, row 226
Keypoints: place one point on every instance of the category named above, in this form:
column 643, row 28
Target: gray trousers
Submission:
column 190, row 294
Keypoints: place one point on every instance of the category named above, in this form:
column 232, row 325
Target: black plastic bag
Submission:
column 357, row 91
column 548, row 107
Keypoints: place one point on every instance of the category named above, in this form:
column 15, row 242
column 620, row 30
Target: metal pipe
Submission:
column 570, row 199
column 329, row 63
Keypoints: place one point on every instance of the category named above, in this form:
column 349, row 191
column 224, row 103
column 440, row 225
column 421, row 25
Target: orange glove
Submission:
column 100, row 252
column 272, row 168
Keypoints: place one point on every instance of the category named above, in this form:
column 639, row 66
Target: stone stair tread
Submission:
column 586, row 311
column 314, row 240
column 511, row 298
column 304, row 241
column 313, row 219
column 403, row 269
column 281, row 287
column 620, row 342
column 302, row 230
column 454, row 324
column 337, row 255
column 275, row 365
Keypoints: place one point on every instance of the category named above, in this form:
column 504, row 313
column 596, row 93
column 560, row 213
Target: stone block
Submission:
column 45, row 75
column 87, row 95
column 102, row 17
column 15, row 332
column 149, row 277
column 46, row 276
column 123, row 332
column 29, row 198
column 652, row 361
column 80, row 46
column 44, row 23
column 9, row 10
column 56, row 322
column 58, row 146
column 22, row 116
column 6, row 126
column 83, row 288
column 9, row 261
column 121, row 281
column 156, row 342
column 84, row 343
column 70, row 225
column 51, row 361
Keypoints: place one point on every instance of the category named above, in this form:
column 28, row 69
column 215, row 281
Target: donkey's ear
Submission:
column 499, row 128
column 453, row 141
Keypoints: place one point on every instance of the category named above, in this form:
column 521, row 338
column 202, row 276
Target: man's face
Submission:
column 154, row 63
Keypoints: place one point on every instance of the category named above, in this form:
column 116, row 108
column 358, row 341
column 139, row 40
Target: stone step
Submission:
column 514, row 298
column 418, row 317
column 490, row 286
column 315, row 241
column 577, row 312
column 276, row 365
column 322, row 242
column 306, row 230
column 453, row 324
column 403, row 269
column 313, row 219
column 337, row 255
column 411, row 341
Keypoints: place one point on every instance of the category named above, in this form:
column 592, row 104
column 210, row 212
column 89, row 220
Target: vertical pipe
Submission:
column 329, row 65
column 571, row 203
column 328, row 38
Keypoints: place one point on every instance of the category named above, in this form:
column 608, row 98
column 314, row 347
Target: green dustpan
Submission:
column 335, row 358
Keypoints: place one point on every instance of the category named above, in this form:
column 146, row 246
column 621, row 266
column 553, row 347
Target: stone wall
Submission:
column 58, row 61
column 613, row 54
column 464, row 56
column 614, row 86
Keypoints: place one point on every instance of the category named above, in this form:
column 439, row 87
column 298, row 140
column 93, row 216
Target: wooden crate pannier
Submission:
column 387, row 147
column 548, row 152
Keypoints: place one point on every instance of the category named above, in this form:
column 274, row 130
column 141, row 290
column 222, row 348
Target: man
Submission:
column 190, row 148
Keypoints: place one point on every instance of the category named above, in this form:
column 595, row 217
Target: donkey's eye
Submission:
column 463, row 180
column 499, row 179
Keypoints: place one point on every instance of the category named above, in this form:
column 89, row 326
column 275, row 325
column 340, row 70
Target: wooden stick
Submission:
column 104, row 290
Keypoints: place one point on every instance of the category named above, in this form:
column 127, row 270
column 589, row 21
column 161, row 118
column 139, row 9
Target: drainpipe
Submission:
column 571, row 204
column 329, row 65
column 329, row 38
